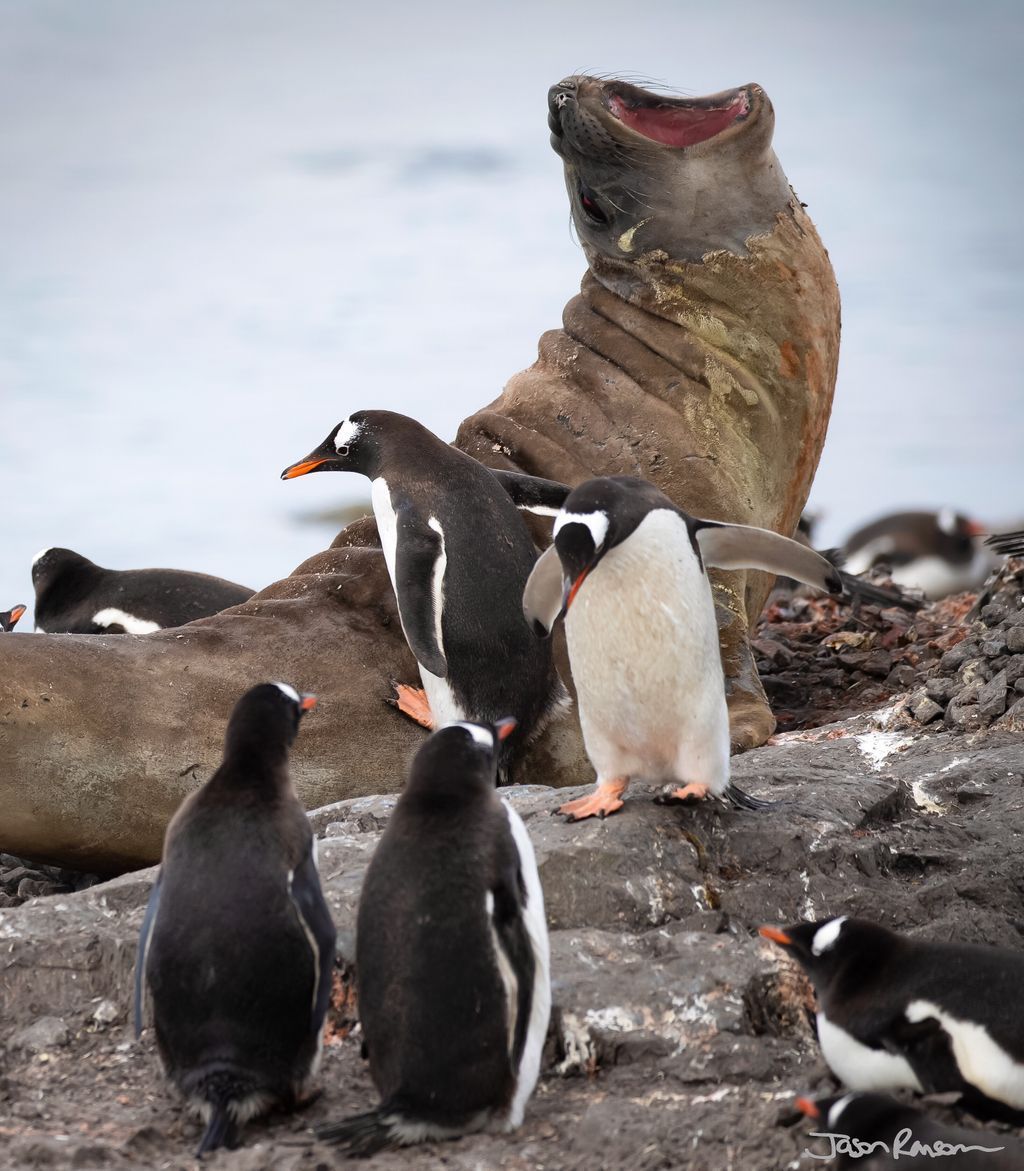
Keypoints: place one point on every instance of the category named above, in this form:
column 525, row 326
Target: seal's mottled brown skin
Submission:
column 701, row 352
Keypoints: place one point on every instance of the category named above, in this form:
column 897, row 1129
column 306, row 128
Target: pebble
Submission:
column 922, row 708
column 47, row 1032
column 1015, row 639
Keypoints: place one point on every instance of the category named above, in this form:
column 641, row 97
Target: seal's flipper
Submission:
column 140, row 959
column 420, row 562
column 726, row 546
column 544, row 595
column 533, row 493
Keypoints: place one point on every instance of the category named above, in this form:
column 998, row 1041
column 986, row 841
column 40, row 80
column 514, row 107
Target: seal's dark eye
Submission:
column 591, row 208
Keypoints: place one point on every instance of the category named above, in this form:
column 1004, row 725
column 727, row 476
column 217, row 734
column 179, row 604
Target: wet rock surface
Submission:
column 678, row 1037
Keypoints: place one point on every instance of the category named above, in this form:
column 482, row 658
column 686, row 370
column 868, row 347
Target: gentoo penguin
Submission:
column 76, row 596
column 9, row 618
column 627, row 568
column 895, row 1012
column 874, row 1132
column 937, row 553
column 237, row 944
column 458, row 554
column 451, row 954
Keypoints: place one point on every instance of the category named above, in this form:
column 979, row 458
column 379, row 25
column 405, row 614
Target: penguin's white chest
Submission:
column 443, row 705
column 643, row 644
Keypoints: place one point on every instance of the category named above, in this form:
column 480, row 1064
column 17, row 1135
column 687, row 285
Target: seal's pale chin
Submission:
column 676, row 125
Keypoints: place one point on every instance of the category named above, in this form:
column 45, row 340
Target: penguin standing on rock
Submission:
column 10, row 618
column 902, row 1136
column 237, row 944
column 76, row 596
column 627, row 569
column 451, row 954
column 458, row 554
column 901, row 1013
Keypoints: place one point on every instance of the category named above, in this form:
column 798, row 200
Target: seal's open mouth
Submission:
column 676, row 121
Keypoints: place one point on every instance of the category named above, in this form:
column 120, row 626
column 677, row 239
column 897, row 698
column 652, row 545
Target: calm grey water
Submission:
column 223, row 227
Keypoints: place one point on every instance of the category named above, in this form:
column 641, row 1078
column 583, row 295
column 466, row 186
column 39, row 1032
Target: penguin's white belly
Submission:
column 444, row 707
column 858, row 1066
column 643, row 644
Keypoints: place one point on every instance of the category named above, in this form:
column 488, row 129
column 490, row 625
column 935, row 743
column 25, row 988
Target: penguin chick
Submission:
column 10, row 618
column 627, row 569
column 902, row 1013
column 76, row 596
column 458, row 553
column 902, row 1136
column 451, row 954
column 237, row 943
column 937, row 553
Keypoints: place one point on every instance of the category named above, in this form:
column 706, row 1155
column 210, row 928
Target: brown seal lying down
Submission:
column 700, row 354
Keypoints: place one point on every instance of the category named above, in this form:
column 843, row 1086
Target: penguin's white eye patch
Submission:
column 40, row 555
column 825, row 937
column 346, row 434
column 481, row 735
column 946, row 521
column 596, row 522
column 836, row 1112
column 289, row 691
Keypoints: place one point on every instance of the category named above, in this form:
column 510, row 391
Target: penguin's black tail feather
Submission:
column 221, row 1088
column 856, row 589
column 741, row 800
column 362, row 1135
column 1007, row 544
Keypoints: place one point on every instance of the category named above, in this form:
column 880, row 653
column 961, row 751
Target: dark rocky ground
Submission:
column 679, row 1037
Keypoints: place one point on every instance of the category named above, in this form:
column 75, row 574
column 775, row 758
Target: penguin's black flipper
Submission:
column 1007, row 544
column 140, row 957
column 362, row 1135
column 726, row 546
column 419, row 568
column 316, row 919
column 533, row 493
column 514, row 941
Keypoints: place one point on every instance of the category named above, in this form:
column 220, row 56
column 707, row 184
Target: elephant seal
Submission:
column 701, row 352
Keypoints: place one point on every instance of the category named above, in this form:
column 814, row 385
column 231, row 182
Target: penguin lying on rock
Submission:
column 76, row 596
column 9, row 618
column 237, row 944
column 451, row 954
column 895, row 1012
column 458, row 554
column 628, row 570
column 874, row 1132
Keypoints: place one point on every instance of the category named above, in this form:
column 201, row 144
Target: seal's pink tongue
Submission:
column 675, row 125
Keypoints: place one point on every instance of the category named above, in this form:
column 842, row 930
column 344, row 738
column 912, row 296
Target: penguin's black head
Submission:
column 826, row 945
column 266, row 719
column 9, row 618
column 459, row 752
column 350, row 447
column 596, row 516
column 863, row 1116
column 51, row 564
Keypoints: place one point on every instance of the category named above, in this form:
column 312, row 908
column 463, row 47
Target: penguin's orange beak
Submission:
column 506, row 727
column 575, row 588
column 303, row 467
column 307, row 703
column 975, row 528
column 806, row 1106
column 775, row 935
column 17, row 612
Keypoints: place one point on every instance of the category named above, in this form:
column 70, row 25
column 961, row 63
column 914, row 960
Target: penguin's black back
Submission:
column 71, row 590
column 229, row 961
column 497, row 667
column 432, row 1002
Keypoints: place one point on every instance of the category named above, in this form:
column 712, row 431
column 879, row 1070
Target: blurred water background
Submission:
column 224, row 226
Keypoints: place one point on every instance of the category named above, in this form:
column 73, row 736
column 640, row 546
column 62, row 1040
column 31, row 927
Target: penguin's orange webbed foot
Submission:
column 412, row 702
column 687, row 794
column 603, row 801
